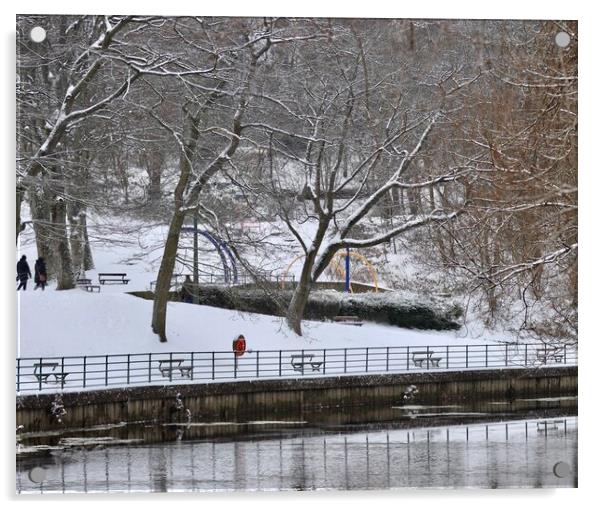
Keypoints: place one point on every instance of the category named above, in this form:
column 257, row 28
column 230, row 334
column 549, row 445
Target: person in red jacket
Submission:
column 239, row 346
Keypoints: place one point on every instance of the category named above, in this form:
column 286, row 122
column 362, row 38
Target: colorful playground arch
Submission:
column 338, row 265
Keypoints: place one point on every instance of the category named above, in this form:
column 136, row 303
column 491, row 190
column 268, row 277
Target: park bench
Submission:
column 87, row 284
column 169, row 366
column 349, row 320
column 543, row 354
column 549, row 425
column 299, row 362
column 420, row 358
column 113, row 277
column 42, row 375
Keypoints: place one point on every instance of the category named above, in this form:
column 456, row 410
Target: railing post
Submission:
column 41, row 371
column 466, row 356
column 128, row 375
column 545, row 353
column 486, row 356
column 366, row 360
column 170, row 366
column 447, row 357
column 106, row 370
column 18, row 375
column 302, row 362
column 279, row 362
column 387, row 369
column 149, row 366
column 407, row 358
column 324, row 362
column 235, row 364
column 345, row 361
column 257, row 364
column 526, row 347
column 212, row 365
column 63, row 372
column 565, row 354
column 506, row 355
column 192, row 365
column 428, row 358
column 84, row 377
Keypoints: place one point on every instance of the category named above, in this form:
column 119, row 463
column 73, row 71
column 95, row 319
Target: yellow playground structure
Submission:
column 342, row 266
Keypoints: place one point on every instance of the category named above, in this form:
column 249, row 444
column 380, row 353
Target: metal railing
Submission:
column 243, row 278
column 53, row 374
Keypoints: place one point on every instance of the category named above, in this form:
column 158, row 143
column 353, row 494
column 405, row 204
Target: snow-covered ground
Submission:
column 76, row 322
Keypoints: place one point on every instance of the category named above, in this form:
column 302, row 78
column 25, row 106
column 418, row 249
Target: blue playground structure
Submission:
column 225, row 253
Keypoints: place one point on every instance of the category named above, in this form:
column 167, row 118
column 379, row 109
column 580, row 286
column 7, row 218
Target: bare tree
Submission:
column 58, row 90
column 341, row 146
column 193, row 180
column 520, row 240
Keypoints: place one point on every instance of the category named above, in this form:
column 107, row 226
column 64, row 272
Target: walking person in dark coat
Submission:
column 41, row 277
column 23, row 273
column 187, row 291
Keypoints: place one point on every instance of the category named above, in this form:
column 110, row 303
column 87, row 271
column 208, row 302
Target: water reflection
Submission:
column 492, row 454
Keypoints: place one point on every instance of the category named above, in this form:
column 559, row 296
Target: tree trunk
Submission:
column 155, row 185
column 75, row 239
column 64, row 273
column 19, row 201
column 88, row 263
column 297, row 305
column 164, row 277
column 41, row 214
column 154, row 170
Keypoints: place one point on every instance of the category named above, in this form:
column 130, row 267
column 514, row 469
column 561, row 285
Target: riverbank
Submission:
column 266, row 399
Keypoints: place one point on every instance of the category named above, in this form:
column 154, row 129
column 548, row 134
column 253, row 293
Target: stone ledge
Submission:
column 123, row 395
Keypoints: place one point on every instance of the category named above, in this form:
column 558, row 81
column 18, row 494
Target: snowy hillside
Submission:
column 76, row 322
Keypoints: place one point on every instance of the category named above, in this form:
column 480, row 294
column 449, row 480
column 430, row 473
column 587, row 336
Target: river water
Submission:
column 419, row 447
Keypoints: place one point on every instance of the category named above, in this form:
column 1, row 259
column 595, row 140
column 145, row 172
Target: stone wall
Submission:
column 234, row 401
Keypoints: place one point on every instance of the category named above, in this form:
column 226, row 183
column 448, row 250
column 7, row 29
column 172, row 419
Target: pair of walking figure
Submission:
column 24, row 273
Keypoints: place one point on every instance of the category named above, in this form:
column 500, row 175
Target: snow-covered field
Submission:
column 75, row 322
